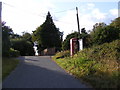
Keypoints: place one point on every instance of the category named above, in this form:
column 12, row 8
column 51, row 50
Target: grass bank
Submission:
column 8, row 65
column 98, row 66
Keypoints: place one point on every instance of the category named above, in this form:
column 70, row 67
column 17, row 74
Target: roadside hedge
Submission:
column 14, row 53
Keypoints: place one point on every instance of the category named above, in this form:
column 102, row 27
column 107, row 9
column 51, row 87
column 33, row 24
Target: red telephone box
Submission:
column 74, row 47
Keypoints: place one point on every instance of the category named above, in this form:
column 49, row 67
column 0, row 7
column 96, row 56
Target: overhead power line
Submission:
column 43, row 16
column 8, row 4
column 65, row 10
column 23, row 10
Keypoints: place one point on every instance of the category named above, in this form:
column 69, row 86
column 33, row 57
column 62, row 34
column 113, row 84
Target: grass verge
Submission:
column 8, row 65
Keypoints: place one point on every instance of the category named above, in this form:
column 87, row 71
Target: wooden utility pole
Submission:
column 78, row 20
column 80, row 41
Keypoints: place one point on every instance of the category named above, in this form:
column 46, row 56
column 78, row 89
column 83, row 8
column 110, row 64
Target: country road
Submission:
column 40, row 72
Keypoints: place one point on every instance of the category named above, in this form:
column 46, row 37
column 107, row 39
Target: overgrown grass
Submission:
column 8, row 64
column 99, row 66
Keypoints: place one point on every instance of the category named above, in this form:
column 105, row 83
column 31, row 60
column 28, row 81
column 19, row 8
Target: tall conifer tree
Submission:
column 47, row 35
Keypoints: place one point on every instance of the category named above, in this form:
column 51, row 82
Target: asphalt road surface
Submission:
column 40, row 72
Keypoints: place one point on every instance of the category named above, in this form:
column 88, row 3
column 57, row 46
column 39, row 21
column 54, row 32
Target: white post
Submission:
column 0, row 47
column 80, row 44
column 71, row 48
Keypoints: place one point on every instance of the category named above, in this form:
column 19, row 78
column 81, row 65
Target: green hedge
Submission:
column 62, row 54
column 105, row 51
column 14, row 53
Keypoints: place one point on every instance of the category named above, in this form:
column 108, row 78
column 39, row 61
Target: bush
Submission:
column 105, row 35
column 25, row 47
column 66, row 42
column 14, row 53
column 62, row 54
column 106, row 51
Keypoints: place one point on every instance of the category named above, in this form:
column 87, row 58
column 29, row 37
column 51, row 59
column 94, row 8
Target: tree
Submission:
column 27, row 36
column 86, row 38
column 14, row 36
column 66, row 42
column 116, row 23
column 6, row 32
column 23, row 44
column 25, row 47
column 47, row 35
column 105, row 34
column 98, row 25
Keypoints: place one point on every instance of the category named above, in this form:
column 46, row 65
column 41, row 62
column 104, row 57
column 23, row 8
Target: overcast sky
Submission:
column 27, row 15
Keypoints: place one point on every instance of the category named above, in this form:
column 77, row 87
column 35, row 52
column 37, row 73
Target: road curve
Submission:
column 40, row 72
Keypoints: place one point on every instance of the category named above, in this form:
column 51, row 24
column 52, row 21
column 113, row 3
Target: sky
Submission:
column 27, row 15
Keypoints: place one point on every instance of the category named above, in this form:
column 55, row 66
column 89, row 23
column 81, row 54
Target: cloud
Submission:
column 90, row 5
column 114, row 12
column 98, row 15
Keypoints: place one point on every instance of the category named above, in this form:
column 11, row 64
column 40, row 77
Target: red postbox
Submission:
column 74, row 47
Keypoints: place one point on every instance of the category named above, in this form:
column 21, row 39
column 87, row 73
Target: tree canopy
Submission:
column 66, row 42
column 116, row 23
column 14, row 44
column 6, row 32
column 23, row 44
column 103, row 33
column 47, row 35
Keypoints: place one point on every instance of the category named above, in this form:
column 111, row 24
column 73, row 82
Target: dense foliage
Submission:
column 105, row 34
column 116, row 23
column 5, row 39
column 25, row 47
column 100, row 34
column 84, row 35
column 14, row 45
column 47, row 35
column 6, row 44
column 14, row 53
column 86, row 38
column 66, row 42
column 62, row 54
